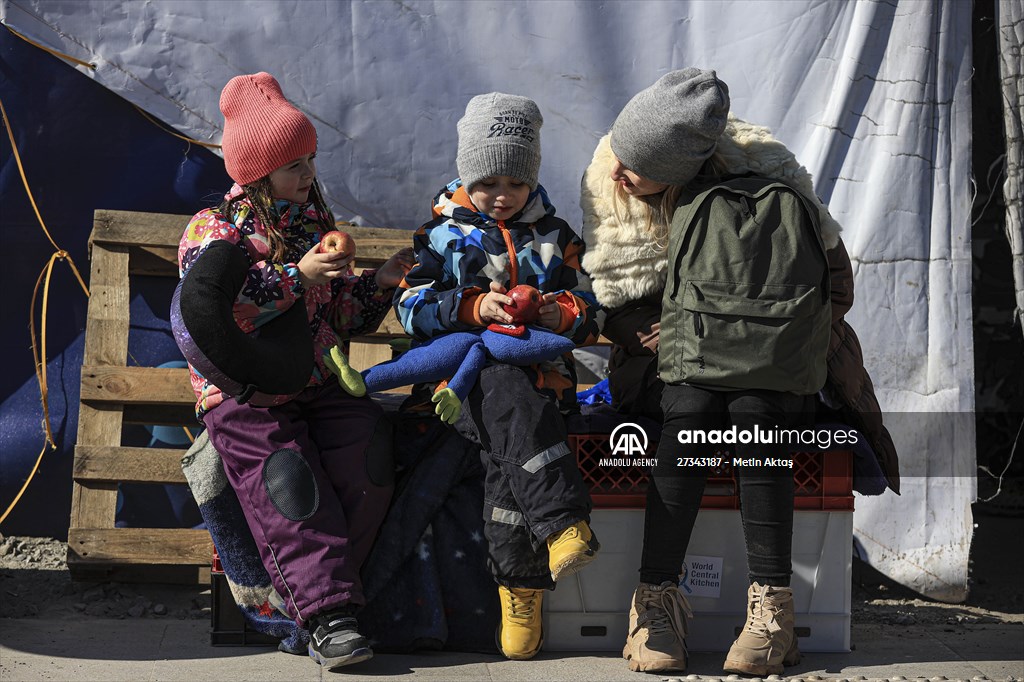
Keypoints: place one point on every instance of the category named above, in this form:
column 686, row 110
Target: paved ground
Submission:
column 52, row 629
column 149, row 649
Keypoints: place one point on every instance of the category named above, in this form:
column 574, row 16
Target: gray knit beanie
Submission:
column 666, row 132
column 499, row 135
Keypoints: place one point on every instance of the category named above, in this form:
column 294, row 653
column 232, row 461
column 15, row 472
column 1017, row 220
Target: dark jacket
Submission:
column 461, row 251
column 631, row 293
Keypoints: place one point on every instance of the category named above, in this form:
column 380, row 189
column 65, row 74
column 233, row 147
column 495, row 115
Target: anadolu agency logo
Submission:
column 629, row 447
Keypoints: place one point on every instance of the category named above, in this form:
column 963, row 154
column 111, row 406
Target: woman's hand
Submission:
column 391, row 274
column 321, row 268
column 490, row 307
column 550, row 312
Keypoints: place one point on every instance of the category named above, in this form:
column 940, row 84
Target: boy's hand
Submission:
column 490, row 307
column 321, row 268
column 550, row 312
column 391, row 274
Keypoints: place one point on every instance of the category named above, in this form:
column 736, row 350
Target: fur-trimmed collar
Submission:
column 626, row 262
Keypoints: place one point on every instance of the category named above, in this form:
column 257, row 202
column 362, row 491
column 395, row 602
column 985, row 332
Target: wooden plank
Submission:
column 128, row 464
column 391, row 325
column 164, row 415
column 155, row 261
column 183, row 546
column 136, row 228
column 365, row 355
column 139, row 573
column 393, row 235
column 93, row 506
column 137, row 385
column 374, row 245
column 106, row 342
column 106, row 326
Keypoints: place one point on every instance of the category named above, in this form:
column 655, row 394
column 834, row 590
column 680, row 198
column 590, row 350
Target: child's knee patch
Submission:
column 290, row 485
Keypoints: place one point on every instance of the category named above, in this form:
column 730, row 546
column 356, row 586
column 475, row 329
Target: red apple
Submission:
column 525, row 306
column 337, row 241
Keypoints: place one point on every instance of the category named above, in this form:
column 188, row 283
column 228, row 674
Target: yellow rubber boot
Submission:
column 521, row 632
column 571, row 549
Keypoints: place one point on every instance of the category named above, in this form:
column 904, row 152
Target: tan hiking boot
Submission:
column 520, row 633
column 657, row 629
column 768, row 641
column 571, row 549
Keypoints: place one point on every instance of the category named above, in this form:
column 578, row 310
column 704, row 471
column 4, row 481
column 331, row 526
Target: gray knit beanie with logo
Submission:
column 667, row 132
column 499, row 135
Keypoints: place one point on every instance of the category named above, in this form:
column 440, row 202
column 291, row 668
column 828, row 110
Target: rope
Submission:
column 162, row 127
column 39, row 349
column 55, row 53
column 90, row 65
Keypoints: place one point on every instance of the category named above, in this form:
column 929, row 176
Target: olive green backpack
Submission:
column 746, row 305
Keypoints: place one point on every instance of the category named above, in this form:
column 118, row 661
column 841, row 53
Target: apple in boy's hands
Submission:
column 338, row 241
column 525, row 306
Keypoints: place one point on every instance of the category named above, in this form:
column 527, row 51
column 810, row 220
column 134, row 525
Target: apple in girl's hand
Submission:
column 338, row 241
column 525, row 306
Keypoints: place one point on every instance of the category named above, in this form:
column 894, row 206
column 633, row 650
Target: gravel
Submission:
column 34, row 582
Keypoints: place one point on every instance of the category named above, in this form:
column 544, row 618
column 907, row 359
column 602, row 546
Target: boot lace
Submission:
column 522, row 604
column 665, row 610
column 761, row 619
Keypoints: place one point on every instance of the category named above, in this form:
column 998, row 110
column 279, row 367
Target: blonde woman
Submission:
column 648, row 180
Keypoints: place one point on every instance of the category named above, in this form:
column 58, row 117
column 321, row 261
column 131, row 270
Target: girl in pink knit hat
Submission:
column 257, row 307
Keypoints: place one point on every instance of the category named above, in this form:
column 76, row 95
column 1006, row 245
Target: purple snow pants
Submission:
column 313, row 542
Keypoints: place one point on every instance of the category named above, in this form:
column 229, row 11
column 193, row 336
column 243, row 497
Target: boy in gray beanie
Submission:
column 499, row 135
column 494, row 231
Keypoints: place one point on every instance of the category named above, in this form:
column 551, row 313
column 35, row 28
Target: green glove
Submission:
column 350, row 380
column 449, row 407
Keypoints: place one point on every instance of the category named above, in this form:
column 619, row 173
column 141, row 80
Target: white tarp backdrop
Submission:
column 874, row 98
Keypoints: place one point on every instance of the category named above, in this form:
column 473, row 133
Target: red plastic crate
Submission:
column 215, row 566
column 822, row 480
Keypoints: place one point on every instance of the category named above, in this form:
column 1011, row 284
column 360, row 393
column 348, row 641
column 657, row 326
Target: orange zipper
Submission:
column 513, row 262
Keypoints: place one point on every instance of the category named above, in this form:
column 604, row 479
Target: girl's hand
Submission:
column 550, row 312
column 391, row 274
column 490, row 308
column 321, row 268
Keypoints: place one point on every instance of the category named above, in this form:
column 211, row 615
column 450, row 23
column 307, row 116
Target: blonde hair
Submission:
column 261, row 197
column 657, row 209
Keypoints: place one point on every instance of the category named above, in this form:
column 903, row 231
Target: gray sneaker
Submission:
column 334, row 640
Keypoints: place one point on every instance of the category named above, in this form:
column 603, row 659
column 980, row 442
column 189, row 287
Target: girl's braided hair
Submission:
column 261, row 197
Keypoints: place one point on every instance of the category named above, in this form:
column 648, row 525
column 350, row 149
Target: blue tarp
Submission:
column 82, row 148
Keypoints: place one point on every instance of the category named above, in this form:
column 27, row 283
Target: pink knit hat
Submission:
column 262, row 130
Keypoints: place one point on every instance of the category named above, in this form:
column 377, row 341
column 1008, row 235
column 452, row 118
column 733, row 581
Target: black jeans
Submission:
column 532, row 485
column 766, row 492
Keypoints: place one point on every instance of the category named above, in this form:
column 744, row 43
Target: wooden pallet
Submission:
column 115, row 393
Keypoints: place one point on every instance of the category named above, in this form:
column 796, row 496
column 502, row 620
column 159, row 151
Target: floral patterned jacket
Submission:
column 346, row 307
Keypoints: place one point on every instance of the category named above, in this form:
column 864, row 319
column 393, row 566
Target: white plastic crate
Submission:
column 590, row 611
